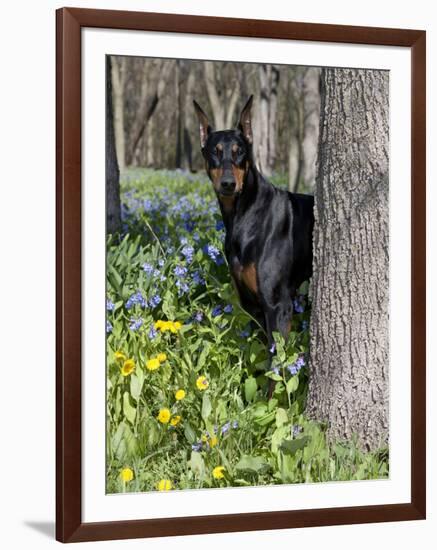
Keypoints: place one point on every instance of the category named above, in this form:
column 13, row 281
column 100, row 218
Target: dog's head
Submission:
column 227, row 153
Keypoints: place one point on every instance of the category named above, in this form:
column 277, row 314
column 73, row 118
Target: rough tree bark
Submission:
column 113, row 217
column 349, row 359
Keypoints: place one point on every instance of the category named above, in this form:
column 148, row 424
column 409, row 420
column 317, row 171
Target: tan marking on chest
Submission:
column 247, row 275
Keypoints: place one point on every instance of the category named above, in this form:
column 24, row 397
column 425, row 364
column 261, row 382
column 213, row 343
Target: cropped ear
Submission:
column 204, row 127
column 245, row 122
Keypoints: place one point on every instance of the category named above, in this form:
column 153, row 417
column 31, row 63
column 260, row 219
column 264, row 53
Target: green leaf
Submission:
column 255, row 464
column 123, row 442
column 293, row 384
column 290, row 447
column 197, row 465
column 129, row 410
column 250, row 387
column 136, row 384
column 206, row 406
column 189, row 433
column 281, row 417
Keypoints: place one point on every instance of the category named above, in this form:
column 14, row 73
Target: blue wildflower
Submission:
column 305, row 324
column 197, row 446
column 135, row 323
column 182, row 287
column 189, row 226
column 275, row 370
column 298, row 305
column 297, row 430
column 188, row 253
column 214, row 253
column 153, row 333
column 148, row 268
column 219, row 225
column 228, row 308
column 296, row 366
column 244, row 333
column 272, row 348
column 225, row 428
column 198, row 316
column 108, row 327
column 110, row 305
column 216, row 311
column 161, row 262
column 235, row 424
column 198, row 279
column 180, row 271
column 155, row 300
column 136, row 299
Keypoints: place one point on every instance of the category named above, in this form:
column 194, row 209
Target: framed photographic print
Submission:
column 240, row 274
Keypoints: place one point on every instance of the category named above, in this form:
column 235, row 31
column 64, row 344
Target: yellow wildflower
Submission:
column 127, row 474
column 217, row 473
column 213, row 441
column 172, row 326
column 161, row 357
column 119, row 356
column 164, row 416
column 179, row 395
column 175, row 420
column 165, row 485
column 204, row 438
column 128, row 367
column 202, row 383
column 152, row 364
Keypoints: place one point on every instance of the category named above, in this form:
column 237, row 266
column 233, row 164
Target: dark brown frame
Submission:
column 69, row 526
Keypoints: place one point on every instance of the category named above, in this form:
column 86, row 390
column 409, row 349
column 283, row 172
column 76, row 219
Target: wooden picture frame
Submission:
column 69, row 524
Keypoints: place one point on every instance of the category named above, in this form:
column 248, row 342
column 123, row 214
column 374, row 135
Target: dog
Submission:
column 268, row 241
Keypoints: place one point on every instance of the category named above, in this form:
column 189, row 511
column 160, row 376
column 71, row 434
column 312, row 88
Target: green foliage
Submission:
column 165, row 268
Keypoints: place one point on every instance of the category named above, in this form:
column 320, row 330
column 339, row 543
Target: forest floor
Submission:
column 186, row 378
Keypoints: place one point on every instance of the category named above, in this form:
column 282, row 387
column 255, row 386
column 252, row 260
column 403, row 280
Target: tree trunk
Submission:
column 118, row 81
column 148, row 107
column 113, row 216
column 349, row 357
column 265, row 142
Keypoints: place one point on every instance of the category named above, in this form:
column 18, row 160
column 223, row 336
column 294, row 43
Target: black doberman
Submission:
column 268, row 241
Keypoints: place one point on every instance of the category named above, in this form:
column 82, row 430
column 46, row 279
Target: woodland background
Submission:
column 155, row 125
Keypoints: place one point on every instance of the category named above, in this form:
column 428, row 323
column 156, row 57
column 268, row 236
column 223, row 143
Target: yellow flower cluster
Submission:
column 179, row 395
column 217, row 473
column 126, row 474
column 164, row 416
column 165, row 485
column 153, row 364
column 128, row 367
column 164, row 326
column 202, row 383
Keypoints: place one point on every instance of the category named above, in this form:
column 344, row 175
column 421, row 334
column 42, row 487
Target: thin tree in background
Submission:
column 349, row 324
column 118, row 74
column 113, row 215
column 265, row 141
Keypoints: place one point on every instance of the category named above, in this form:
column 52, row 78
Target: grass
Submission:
column 174, row 323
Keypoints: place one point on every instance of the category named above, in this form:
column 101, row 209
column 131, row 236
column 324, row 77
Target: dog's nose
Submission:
column 228, row 185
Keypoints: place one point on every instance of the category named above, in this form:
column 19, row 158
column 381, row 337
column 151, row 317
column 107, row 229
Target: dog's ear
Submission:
column 245, row 122
column 204, row 127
